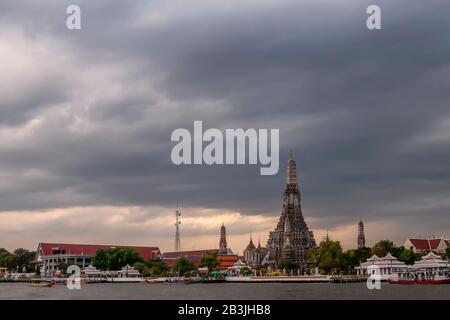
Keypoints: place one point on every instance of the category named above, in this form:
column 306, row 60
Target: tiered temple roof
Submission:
column 291, row 239
column 431, row 260
column 387, row 261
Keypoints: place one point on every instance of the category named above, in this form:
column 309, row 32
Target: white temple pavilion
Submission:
column 236, row 268
column 91, row 271
column 384, row 267
column 128, row 272
column 431, row 261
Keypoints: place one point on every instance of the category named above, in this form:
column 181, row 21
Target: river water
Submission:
column 227, row 291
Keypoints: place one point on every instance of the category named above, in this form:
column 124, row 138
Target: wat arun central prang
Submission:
column 291, row 239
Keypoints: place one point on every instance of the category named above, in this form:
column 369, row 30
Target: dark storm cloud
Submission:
column 23, row 107
column 350, row 102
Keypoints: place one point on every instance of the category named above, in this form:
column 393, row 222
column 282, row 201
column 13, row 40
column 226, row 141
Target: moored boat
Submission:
column 42, row 283
column 176, row 281
column 431, row 269
column 422, row 276
column 150, row 281
column 436, row 281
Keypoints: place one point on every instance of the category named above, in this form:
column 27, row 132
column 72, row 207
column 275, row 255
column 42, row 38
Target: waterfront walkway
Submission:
column 298, row 279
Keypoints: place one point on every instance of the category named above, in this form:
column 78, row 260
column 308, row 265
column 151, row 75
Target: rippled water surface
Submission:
column 227, row 291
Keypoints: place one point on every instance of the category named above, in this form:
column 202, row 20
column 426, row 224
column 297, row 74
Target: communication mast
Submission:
column 177, row 230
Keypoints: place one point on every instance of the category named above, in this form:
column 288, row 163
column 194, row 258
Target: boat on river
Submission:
column 180, row 280
column 42, row 283
column 151, row 281
column 421, row 277
column 432, row 269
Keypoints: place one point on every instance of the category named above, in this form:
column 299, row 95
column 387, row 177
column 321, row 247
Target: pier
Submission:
column 283, row 279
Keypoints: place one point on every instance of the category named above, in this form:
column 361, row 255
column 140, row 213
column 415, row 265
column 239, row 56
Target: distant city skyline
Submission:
column 86, row 118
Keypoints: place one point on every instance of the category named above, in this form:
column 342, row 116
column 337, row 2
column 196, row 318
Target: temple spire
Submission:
column 223, row 249
column 291, row 239
column 361, row 236
column 291, row 170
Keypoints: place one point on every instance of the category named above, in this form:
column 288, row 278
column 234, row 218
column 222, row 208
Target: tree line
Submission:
column 329, row 256
column 19, row 260
column 116, row 258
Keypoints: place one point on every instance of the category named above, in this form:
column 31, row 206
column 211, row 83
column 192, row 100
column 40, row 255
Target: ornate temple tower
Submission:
column 254, row 256
column 361, row 236
column 250, row 254
column 291, row 239
column 223, row 241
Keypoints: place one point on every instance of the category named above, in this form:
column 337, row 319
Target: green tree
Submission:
column 153, row 267
column 7, row 260
column 408, row 256
column 100, row 261
column 115, row 258
column 382, row 248
column 24, row 258
column 124, row 256
column 157, row 266
column 364, row 254
column 352, row 258
column 397, row 251
column 183, row 266
column 143, row 269
column 287, row 265
column 10, row 262
column 246, row 271
column 209, row 260
column 3, row 254
column 447, row 251
column 327, row 257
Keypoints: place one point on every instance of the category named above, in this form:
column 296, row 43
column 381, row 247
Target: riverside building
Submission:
column 50, row 255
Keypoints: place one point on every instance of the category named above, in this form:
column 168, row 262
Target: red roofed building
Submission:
column 48, row 255
column 224, row 255
column 226, row 261
column 423, row 245
column 193, row 256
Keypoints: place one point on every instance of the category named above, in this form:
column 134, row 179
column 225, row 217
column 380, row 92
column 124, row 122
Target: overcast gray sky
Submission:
column 86, row 118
